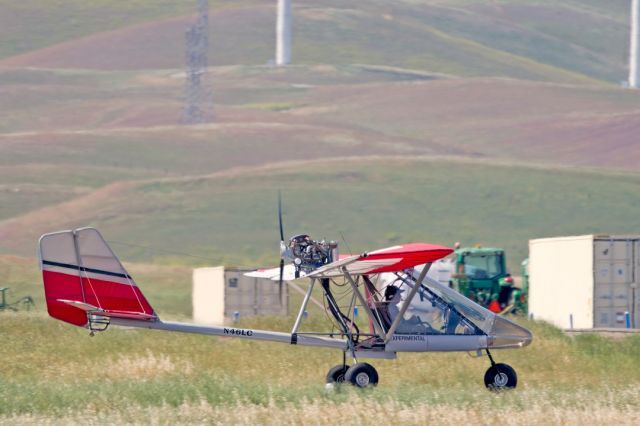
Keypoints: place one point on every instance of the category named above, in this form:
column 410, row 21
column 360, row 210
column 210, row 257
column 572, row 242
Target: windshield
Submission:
column 438, row 310
column 483, row 266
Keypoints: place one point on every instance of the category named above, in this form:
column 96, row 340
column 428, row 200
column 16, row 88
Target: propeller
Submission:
column 283, row 247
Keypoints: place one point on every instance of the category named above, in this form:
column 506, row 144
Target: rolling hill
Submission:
column 129, row 120
column 445, row 120
column 230, row 217
column 561, row 41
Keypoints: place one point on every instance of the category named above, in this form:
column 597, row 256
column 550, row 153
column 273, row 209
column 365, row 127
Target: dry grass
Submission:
column 533, row 407
column 54, row 374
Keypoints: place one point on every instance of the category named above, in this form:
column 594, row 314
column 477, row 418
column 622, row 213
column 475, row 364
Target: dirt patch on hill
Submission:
column 153, row 45
column 500, row 118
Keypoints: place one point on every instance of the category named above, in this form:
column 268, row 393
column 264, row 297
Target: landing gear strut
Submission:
column 500, row 376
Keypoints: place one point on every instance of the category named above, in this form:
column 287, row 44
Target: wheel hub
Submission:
column 501, row 380
column 362, row 379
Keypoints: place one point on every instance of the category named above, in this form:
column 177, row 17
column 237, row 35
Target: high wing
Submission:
column 390, row 259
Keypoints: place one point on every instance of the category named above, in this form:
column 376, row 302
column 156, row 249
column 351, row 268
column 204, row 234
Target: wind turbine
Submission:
column 634, row 52
column 283, row 33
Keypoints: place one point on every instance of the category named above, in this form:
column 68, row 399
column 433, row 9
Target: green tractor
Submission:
column 480, row 274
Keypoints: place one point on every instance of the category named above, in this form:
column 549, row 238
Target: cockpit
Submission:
column 438, row 310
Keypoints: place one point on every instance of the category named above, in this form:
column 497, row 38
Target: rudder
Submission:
column 83, row 276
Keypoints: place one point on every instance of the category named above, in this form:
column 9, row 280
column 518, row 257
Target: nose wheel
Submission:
column 500, row 376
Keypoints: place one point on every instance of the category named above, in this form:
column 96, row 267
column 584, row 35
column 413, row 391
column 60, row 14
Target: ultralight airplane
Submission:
column 86, row 285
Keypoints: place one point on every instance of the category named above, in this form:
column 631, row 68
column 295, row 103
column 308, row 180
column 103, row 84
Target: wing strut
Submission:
column 364, row 303
column 407, row 302
column 305, row 302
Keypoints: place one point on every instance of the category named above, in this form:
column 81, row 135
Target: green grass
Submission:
column 233, row 220
column 55, row 371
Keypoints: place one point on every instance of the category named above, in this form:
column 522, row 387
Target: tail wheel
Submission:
column 500, row 377
column 337, row 373
column 361, row 375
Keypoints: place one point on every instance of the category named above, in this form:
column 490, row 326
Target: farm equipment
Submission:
column 480, row 274
column 25, row 302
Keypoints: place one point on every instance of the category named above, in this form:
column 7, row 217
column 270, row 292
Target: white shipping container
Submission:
column 208, row 295
column 586, row 281
column 220, row 293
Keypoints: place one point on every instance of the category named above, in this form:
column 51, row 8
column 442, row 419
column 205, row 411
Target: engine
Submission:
column 309, row 254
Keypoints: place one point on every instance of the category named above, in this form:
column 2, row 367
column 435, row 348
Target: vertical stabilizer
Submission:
column 82, row 275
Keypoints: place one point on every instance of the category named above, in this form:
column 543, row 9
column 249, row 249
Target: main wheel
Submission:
column 336, row 374
column 500, row 377
column 361, row 375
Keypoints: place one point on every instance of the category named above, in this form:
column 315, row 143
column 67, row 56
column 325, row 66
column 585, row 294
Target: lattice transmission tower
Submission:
column 199, row 100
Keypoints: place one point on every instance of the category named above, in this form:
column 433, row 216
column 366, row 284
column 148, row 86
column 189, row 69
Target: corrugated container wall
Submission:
column 585, row 281
column 220, row 293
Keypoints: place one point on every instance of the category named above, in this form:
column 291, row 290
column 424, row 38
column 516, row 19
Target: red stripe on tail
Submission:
column 109, row 296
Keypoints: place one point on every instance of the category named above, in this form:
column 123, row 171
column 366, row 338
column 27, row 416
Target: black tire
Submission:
column 500, row 377
column 336, row 374
column 361, row 375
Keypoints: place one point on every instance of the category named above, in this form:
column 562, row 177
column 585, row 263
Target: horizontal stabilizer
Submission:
column 80, row 305
column 94, row 310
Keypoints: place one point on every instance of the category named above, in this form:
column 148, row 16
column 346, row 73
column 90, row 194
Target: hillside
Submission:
column 306, row 112
column 561, row 41
column 100, row 143
column 79, row 147
column 231, row 217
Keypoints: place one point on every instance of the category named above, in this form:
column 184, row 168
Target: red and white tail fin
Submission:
column 82, row 276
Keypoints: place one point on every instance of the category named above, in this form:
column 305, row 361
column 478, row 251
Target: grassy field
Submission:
column 55, row 374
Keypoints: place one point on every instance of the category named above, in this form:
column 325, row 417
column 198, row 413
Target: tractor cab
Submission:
column 481, row 275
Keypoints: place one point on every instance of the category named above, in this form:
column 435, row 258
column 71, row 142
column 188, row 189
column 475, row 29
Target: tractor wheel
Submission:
column 500, row 377
column 361, row 375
